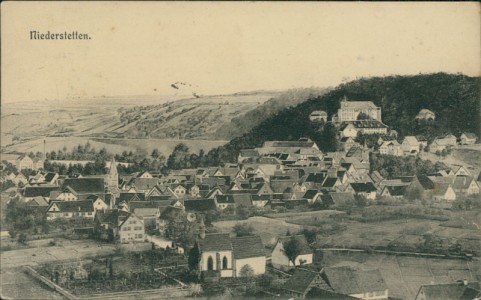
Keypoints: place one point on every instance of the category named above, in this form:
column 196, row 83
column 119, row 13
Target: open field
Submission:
column 462, row 227
column 18, row 285
column 268, row 229
column 404, row 275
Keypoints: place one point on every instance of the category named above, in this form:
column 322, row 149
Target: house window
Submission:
column 210, row 263
column 224, row 263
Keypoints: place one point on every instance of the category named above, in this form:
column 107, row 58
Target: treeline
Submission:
column 395, row 166
column 453, row 98
column 180, row 158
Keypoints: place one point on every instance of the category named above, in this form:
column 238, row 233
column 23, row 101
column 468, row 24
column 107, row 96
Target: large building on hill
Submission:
column 350, row 110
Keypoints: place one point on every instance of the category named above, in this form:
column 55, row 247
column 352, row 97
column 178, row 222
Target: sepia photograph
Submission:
column 240, row 150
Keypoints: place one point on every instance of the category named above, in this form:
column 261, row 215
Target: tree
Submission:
column 292, row 249
column 194, row 257
column 310, row 234
column 243, row 229
column 177, row 160
column 246, row 271
column 155, row 153
column 22, row 239
column 363, row 116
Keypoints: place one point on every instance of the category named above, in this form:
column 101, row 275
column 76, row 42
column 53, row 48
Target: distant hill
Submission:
column 128, row 116
column 455, row 99
column 244, row 123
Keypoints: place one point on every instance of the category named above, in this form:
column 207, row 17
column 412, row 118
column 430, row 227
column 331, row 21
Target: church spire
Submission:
column 202, row 228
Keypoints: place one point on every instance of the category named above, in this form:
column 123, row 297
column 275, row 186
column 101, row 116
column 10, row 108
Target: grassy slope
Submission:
column 243, row 123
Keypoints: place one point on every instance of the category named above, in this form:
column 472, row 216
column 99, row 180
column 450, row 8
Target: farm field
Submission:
column 126, row 117
column 404, row 275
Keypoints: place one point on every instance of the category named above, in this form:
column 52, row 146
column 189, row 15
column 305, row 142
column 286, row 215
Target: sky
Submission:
column 220, row 48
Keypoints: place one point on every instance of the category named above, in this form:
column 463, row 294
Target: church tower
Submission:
column 202, row 228
column 113, row 180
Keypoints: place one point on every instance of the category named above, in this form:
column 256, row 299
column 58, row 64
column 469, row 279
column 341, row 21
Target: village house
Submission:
column 67, row 194
column 38, row 190
column 279, row 258
column 24, row 162
column 222, row 256
column 348, row 130
column 119, row 224
column 425, row 114
column 85, row 185
column 70, row 209
column 304, row 281
column 460, row 171
column 366, row 285
column 410, row 144
column 365, row 189
column 347, row 143
column 391, row 148
column 468, row 138
column 461, row 290
column 394, row 191
column 318, row 116
column 443, row 192
column 465, row 185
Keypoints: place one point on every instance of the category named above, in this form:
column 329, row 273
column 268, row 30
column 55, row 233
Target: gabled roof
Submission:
column 50, row 176
column 249, row 153
column 215, row 242
column 330, row 182
column 425, row 182
column 316, row 177
column 470, row 135
column 40, row 190
column 247, row 247
column 462, row 182
column 363, row 187
column 348, row 281
column 131, row 197
column 449, row 291
column 440, row 188
column 411, row 140
column 242, row 200
column 114, row 216
column 68, row 190
column 143, row 184
column 399, row 190
column 37, row 201
column 224, row 199
column 146, row 212
column 301, row 280
column 199, row 205
column 90, row 185
column 310, row 194
column 73, row 206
